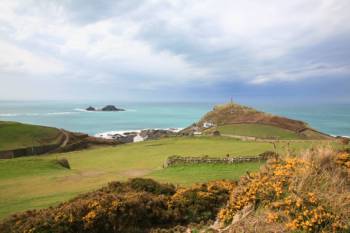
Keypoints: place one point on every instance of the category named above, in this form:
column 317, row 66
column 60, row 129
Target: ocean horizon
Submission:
column 329, row 118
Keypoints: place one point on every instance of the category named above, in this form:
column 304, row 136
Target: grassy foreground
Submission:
column 15, row 135
column 306, row 193
column 37, row 182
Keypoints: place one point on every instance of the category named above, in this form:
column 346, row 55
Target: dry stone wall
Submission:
column 35, row 150
column 176, row 160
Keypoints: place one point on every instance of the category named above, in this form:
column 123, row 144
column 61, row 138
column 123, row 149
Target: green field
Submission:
column 37, row 181
column 189, row 174
column 15, row 135
column 258, row 130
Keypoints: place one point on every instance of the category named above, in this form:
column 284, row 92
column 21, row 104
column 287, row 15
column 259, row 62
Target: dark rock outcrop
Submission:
column 150, row 134
column 107, row 108
column 111, row 108
column 90, row 109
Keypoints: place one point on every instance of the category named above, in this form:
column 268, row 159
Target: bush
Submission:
column 137, row 205
column 200, row 202
column 64, row 163
column 149, row 185
column 345, row 141
column 216, row 133
column 308, row 194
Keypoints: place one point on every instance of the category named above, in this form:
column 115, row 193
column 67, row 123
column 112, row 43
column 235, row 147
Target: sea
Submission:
column 332, row 118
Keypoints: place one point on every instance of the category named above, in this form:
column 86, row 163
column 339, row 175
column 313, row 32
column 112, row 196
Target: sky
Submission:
column 174, row 50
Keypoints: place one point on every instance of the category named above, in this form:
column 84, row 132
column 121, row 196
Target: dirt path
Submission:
column 135, row 172
column 66, row 139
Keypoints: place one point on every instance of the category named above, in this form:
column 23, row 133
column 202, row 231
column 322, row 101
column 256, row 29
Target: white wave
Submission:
column 344, row 136
column 81, row 110
column 175, row 130
column 61, row 113
column 8, row 114
column 35, row 114
column 110, row 134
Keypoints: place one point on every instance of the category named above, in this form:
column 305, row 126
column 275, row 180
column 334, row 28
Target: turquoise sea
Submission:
column 330, row 118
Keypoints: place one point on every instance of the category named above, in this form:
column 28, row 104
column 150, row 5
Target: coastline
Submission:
column 136, row 134
column 332, row 119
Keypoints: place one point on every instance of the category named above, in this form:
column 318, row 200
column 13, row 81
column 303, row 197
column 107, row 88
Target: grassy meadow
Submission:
column 189, row 174
column 14, row 135
column 37, row 181
column 257, row 130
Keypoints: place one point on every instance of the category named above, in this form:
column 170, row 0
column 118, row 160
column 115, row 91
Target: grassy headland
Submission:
column 14, row 135
column 241, row 120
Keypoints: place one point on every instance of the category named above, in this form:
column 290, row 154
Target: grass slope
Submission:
column 232, row 113
column 15, row 135
column 36, row 182
column 186, row 175
column 258, row 130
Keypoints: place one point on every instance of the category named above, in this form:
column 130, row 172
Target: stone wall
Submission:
column 35, row 150
column 183, row 160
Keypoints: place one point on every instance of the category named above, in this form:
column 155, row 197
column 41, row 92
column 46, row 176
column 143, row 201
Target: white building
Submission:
column 208, row 125
column 138, row 138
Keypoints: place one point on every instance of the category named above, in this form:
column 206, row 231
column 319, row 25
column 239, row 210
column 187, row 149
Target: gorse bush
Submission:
column 310, row 193
column 134, row 206
column 149, row 185
column 200, row 202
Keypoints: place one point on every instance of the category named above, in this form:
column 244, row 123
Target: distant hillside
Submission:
column 18, row 139
column 14, row 135
column 241, row 120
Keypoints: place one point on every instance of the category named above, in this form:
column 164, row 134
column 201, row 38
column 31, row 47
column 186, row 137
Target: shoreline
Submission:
column 135, row 134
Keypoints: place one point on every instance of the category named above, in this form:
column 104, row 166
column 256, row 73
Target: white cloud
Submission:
column 314, row 71
column 159, row 43
column 16, row 60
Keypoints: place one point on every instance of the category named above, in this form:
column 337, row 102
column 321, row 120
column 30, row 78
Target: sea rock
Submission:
column 151, row 134
column 111, row 108
column 90, row 109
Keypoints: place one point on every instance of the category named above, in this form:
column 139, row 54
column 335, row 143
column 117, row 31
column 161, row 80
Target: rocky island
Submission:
column 90, row 109
column 107, row 108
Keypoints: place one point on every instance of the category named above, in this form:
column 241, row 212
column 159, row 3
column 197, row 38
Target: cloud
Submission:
column 146, row 45
column 22, row 62
column 318, row 71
